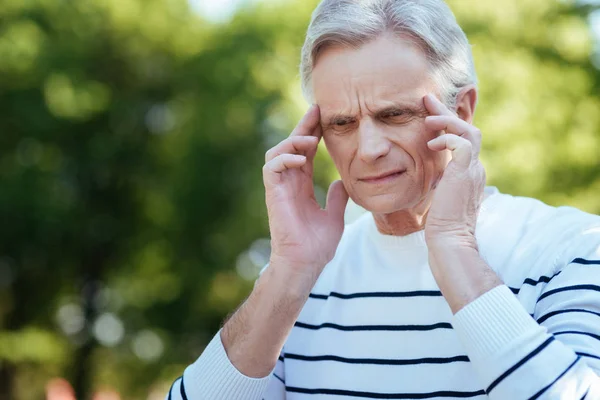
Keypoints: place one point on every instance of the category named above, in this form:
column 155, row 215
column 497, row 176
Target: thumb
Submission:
column 337, row 199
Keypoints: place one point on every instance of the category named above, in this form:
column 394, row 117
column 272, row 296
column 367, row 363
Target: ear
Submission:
column 466, row 101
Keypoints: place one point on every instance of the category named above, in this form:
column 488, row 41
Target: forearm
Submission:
column 461, row 273
column 515, row 357
column 255, row 334
column 512, row 353
column 238, row 361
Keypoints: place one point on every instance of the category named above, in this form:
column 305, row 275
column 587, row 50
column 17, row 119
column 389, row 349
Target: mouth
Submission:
column 383, row 178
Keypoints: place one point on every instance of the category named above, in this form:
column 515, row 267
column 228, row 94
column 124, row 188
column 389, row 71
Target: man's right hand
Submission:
column 304, row 237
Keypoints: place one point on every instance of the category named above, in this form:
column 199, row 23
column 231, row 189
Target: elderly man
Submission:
column 445, row 288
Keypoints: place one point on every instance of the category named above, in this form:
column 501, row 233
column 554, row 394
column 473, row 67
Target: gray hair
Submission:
column 430, row 24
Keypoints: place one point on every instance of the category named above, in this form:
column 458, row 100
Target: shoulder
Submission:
column 567, row 232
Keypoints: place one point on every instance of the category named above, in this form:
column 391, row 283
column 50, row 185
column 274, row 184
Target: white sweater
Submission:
column 377, row 327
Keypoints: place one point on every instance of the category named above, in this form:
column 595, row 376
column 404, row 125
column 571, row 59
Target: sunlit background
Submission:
column 132, row 138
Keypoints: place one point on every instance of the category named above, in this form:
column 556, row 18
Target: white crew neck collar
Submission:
column 417, row 239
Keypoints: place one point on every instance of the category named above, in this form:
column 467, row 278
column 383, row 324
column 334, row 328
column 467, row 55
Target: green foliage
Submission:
column 539, row 98
column 133, row 135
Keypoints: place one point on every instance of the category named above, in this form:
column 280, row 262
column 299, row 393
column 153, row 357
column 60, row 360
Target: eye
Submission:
column 398, row 116
column 342, row 122
column 395, row 113
column 342, row 125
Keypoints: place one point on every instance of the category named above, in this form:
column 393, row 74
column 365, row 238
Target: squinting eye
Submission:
column 394, row 114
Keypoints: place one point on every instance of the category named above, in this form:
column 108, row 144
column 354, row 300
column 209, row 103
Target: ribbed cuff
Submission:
column 493, row 322
column 214, row 377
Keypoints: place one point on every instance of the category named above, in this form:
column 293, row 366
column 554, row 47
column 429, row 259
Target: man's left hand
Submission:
column 453, row 214
column 454, row 258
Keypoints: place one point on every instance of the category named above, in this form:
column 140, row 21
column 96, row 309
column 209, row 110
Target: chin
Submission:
column 386, row 203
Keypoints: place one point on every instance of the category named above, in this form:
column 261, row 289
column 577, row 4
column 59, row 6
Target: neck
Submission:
column 404, row 222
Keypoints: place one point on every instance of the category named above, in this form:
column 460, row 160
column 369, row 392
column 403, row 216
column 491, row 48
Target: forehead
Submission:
column 388, row 69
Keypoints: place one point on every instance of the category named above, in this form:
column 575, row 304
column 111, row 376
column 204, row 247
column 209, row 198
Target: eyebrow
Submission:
column 414, row 110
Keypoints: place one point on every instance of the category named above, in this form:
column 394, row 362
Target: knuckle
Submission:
column 268, row 155
column 476, row 135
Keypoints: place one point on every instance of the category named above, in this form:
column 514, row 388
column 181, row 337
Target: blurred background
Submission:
column 132, row 137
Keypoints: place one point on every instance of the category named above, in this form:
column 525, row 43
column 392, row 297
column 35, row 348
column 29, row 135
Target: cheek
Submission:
column 434, row 162
column 415, row 144
column 340, row 152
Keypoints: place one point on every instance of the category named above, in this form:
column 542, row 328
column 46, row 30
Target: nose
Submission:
column 373, row 144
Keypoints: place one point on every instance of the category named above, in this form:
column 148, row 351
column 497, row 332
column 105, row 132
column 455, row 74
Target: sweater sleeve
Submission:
column 214, row 377
column 554, row 355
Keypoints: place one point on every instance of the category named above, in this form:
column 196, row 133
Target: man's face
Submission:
column 372, row 113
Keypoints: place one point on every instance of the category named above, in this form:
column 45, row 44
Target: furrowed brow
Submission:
column 413, row 110
column 337, row 118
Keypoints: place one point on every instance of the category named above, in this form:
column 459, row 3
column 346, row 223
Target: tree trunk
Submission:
column 7, row 375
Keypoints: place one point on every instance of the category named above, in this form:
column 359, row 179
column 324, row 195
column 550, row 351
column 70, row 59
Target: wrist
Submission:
column 461, row 274
column 288, row 280
column 452, row 254
column 451, row 243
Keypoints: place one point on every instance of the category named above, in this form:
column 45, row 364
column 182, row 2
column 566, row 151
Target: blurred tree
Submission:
column 133, row 136
column 539, row 104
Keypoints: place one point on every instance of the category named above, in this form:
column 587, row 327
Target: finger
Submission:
column 292, row 145
column 308, row 123
column 457, row 126
column 337, row 199
column 284, row 162
column 461, row 148
column 435, row 106
column 318, row 134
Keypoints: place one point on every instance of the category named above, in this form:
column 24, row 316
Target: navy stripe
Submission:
column 585, row 395
column 376, row 361
column 371, row 395
column 278, row 377
column 417, row 293
column 585, row 262
column 553, row 313
column 538, row 394
column 569, row 288
column 173, row 384
column 280, row 358
column 182, row 390
column 512, row 369
column 588, row 355
column 396, row 328
column 543, row 279
column 577, row 333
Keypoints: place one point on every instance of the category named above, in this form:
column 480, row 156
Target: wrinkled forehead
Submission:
column 387, row 70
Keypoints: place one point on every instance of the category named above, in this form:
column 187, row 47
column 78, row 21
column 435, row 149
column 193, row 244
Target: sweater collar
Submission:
column 417, row 239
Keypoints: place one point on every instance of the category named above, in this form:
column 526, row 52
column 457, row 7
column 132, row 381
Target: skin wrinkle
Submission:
column 357, row 87
column 413, row 110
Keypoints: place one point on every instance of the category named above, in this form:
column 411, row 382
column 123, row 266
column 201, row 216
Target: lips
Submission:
column 387, row 176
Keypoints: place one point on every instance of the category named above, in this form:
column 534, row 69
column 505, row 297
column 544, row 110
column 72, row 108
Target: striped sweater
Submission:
column 377, row 327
